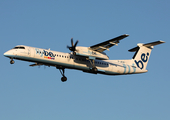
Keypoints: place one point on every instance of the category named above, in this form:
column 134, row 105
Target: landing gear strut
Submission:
column 64, row 78
column 12, row 61
column 92, row 62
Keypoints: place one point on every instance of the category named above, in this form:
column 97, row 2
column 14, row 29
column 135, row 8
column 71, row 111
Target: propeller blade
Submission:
column 72, row 42
column 68, row 46
column 72, row 47
column 76, row 43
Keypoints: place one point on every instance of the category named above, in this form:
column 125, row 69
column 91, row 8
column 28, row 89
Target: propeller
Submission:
column 73, row 46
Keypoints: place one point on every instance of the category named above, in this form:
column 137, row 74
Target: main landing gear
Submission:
column 92, row 62
column 62, row 71
column 12, row 61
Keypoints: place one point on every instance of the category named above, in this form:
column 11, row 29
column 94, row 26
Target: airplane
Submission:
column 91, row 59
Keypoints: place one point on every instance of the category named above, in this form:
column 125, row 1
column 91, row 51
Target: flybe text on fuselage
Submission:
column 46, row 54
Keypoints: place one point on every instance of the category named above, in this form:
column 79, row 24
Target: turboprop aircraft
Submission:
column 87, row 59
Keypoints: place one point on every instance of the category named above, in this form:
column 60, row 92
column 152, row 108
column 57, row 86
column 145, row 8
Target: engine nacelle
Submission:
column 86, row 52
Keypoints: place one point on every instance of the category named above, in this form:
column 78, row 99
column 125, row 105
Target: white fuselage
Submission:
column 68, row 60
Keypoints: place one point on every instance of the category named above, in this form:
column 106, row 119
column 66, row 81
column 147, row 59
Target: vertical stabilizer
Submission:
column 143, row 51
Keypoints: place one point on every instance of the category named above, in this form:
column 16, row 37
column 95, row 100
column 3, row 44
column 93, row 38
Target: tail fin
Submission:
column 143, row 51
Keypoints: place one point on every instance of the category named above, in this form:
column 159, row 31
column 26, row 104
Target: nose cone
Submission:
column 8, row 54
column 5, row 54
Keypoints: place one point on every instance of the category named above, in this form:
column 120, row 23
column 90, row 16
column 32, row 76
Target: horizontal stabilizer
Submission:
column 36, row 64
column 146, row 45
column 153, row 43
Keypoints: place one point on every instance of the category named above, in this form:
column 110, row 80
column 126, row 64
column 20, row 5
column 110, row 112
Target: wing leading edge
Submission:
column 107, row 44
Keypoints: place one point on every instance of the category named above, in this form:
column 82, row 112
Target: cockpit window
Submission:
column 19, row 47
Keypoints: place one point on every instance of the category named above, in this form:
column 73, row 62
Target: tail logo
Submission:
column 144, row 59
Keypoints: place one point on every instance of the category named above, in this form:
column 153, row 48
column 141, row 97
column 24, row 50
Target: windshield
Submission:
column 19, row 47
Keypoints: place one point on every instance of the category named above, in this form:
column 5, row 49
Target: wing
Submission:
column 107, row 44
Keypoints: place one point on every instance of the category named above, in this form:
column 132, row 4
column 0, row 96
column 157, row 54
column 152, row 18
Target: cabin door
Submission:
column 30, row 52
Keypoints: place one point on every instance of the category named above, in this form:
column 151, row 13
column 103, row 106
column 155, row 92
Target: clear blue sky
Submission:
column 33, row 93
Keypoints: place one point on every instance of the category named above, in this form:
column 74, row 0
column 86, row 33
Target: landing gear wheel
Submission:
column 63, row 79
column 94, row 70
column 62, row 71
column 12, row 62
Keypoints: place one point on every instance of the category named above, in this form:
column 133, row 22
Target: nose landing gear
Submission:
column 12, row 61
